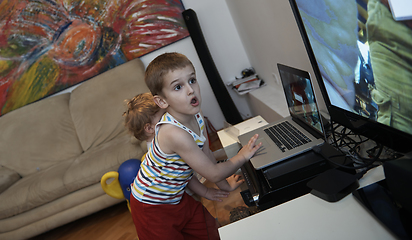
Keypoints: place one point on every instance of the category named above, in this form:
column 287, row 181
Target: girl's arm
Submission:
column 203, row 191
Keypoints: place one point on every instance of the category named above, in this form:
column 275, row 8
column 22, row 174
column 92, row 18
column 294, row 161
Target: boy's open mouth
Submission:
column 194, row 101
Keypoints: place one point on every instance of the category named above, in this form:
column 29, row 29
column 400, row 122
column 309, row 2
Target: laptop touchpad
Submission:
column 265, row 144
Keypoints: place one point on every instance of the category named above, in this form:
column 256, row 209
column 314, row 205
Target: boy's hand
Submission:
column 234, row 182
column 250, row 149
column 214, row 194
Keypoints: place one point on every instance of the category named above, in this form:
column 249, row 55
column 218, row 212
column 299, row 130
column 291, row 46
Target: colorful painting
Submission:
column 49, row 45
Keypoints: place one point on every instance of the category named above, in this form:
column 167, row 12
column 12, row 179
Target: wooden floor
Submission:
column 115, row 223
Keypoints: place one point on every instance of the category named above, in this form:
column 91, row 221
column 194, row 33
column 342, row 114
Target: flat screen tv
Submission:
column 362, row 60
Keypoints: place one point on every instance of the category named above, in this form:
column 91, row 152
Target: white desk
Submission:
column 309, row 217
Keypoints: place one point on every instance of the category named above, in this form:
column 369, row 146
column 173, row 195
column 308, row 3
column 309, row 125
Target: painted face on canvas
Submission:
column 181, row 92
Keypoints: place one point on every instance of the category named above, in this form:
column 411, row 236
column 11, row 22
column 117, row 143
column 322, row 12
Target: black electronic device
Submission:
column 333, row 185
column 378, row 200
column 343, row 59
column 390, row 200
column 336, row 183
column 286, row 180
column 398, row 174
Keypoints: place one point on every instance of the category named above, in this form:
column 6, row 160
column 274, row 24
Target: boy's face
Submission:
column 181, row 92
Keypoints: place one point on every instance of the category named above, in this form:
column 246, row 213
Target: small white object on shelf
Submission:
column 247, row 84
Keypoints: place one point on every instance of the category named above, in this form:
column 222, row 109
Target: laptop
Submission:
column 295, row 134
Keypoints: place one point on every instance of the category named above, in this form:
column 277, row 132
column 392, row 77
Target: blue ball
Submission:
column 127, row 173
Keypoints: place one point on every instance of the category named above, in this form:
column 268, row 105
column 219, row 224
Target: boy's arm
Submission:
column 173, row 140
column 229, row 184
column 203, row 191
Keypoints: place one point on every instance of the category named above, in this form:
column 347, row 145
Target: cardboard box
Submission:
column 228, row 136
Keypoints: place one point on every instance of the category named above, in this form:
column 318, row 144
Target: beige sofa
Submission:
column 54, row 152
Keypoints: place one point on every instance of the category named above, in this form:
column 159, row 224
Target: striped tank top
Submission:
column 162, row 177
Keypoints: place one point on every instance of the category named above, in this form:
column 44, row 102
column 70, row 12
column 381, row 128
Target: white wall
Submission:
column 265, row 34
column 242, row 34
column 224, row 44
column 270, row 35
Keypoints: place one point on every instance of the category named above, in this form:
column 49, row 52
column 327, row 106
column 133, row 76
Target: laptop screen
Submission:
column 300, row 96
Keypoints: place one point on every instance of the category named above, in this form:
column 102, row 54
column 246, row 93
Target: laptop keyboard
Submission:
column 286, row 136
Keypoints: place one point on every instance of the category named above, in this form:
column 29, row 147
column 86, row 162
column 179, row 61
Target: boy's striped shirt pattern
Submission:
column 162, row 177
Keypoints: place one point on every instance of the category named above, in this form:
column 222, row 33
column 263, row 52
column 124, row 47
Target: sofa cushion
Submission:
column 68, row 176
column 101, row 99
column 34, row 190
column 38, row 136
column 91, row 166
column 7, row 178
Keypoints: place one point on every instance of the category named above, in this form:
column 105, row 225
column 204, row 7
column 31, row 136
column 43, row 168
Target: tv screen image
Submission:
column 362, row 59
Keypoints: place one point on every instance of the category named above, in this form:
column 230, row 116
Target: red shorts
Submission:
column 187, row 220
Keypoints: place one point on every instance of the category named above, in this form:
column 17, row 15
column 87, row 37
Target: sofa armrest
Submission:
column 7, row 178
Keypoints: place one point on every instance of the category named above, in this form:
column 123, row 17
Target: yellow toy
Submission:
column 120, row 187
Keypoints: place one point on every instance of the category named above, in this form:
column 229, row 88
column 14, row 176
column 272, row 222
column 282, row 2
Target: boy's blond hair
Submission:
column 162, row 65
column 140, row 111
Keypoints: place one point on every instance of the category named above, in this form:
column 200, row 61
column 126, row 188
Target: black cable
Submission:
column 343, row 139
column 346, row 140
column 318, row 150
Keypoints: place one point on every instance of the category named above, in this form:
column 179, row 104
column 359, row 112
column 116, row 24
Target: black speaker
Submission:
column 398, row 174
column 226, row 103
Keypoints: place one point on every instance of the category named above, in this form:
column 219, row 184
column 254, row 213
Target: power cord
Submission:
column 318, row 150
column 350, row 143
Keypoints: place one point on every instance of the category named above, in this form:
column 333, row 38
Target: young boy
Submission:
column 160, row 207
column 141, row 117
